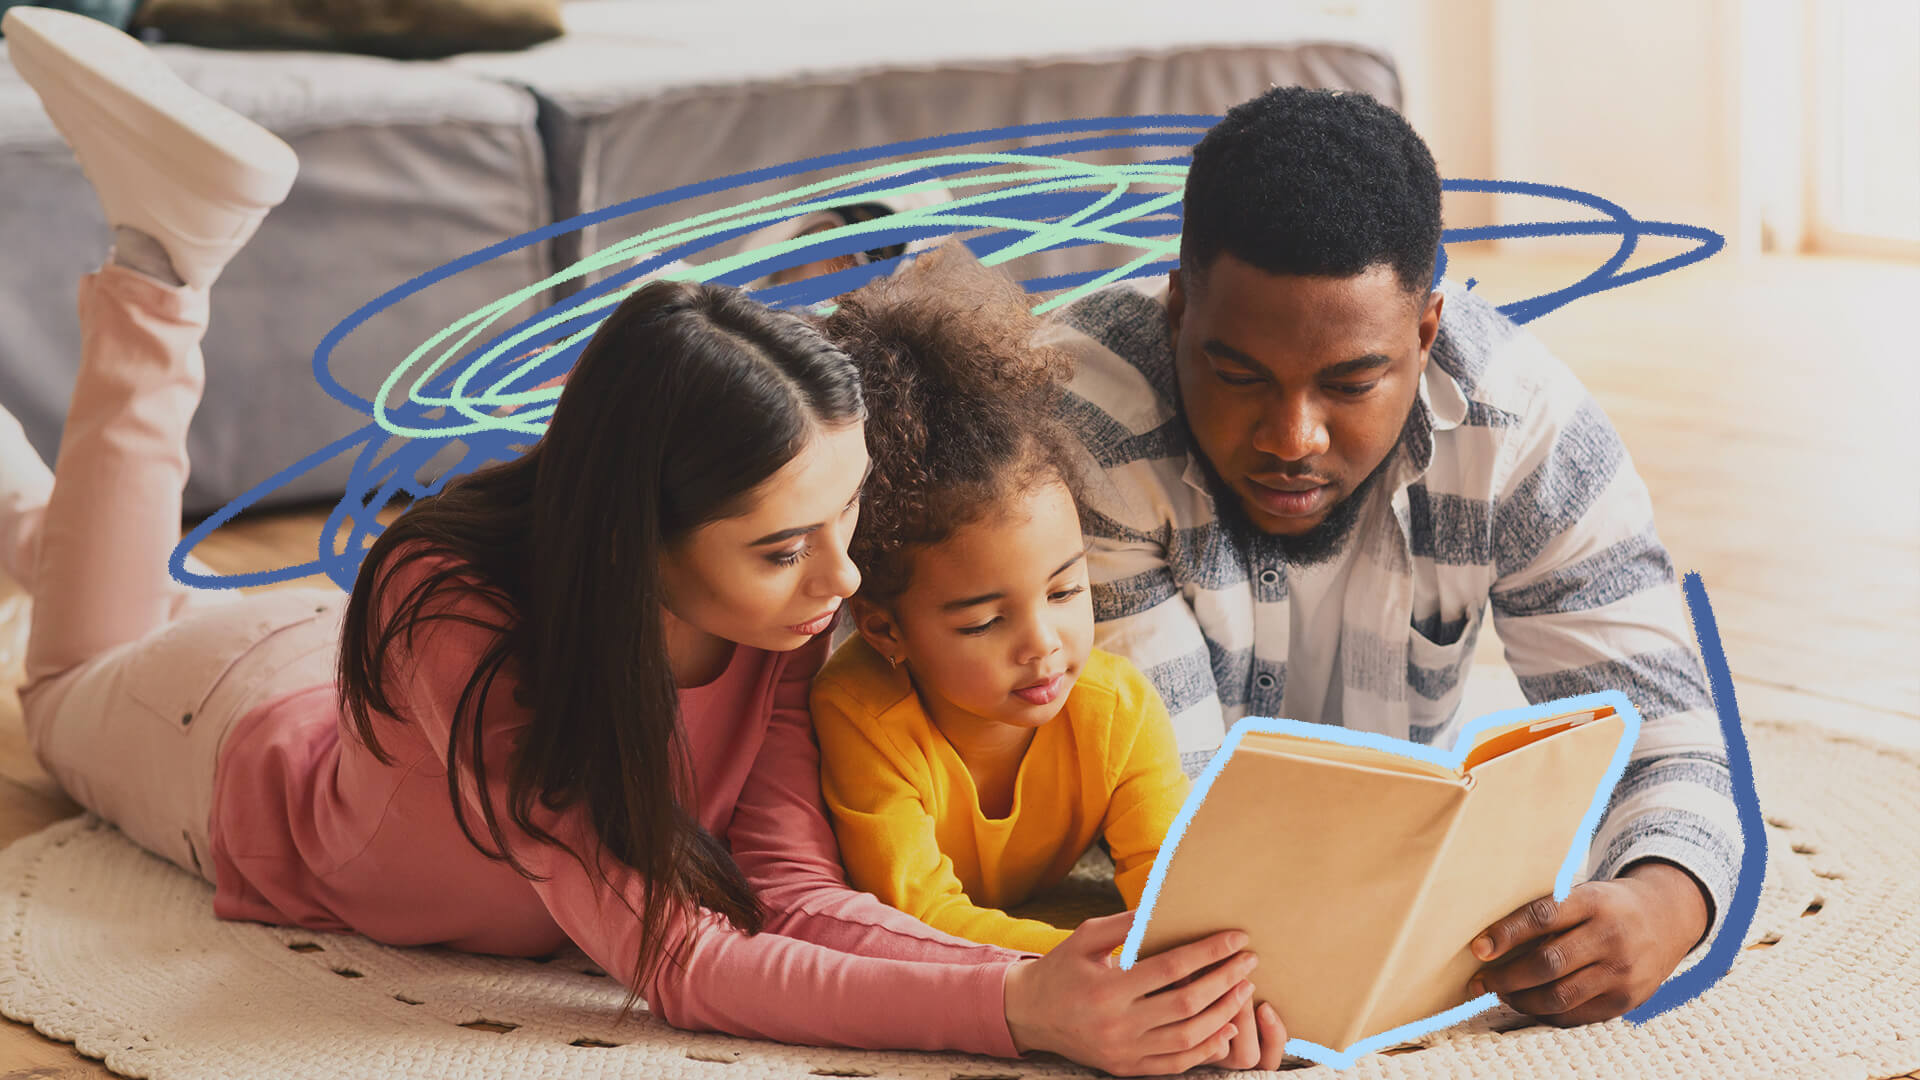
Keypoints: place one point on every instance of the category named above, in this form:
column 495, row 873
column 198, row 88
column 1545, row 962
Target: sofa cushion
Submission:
column 641, row 97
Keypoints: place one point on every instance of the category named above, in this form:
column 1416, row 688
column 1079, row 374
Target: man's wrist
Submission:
column 1681, row 893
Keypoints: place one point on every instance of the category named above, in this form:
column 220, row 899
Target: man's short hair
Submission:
column 1314, row 182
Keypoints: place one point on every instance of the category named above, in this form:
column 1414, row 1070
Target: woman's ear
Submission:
column 877, row 625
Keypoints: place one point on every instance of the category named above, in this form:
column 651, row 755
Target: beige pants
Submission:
column 133, row 679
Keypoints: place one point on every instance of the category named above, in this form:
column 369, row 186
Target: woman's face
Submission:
column 773, row 576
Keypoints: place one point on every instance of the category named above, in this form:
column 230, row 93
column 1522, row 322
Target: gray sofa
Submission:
column 406, row 166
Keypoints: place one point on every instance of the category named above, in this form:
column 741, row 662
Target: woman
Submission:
column 567, row 696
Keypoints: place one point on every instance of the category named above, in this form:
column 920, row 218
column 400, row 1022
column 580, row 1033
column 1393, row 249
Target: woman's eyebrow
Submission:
column 802, row 530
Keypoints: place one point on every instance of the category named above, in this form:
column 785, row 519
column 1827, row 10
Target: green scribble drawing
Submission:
column 471, row 412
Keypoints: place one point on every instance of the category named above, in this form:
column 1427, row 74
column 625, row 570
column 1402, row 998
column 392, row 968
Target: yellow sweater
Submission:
column 909, row 820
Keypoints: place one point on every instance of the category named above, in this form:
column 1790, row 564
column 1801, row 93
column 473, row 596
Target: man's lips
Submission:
column 1290, row 497
column 1289, row 483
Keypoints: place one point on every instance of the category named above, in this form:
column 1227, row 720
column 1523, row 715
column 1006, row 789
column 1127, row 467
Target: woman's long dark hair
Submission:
column 685, row 400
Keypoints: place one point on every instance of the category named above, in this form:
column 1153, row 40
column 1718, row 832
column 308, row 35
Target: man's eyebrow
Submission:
column 972, row 601
column 1225, row 351
column 803, row 530
column 1369, row 362
column 1340, row 370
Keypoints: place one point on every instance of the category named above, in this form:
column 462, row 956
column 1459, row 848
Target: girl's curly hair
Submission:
column 960, row 406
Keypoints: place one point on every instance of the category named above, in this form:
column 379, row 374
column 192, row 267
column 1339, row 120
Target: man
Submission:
column 1312, row 475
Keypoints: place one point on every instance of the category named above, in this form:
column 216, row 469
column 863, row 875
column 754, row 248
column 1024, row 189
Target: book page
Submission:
column 1510, row 737
column 1520, row 818
column 1326, row 750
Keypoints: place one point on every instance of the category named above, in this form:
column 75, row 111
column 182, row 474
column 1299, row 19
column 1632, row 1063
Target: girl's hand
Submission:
column 1074, row 1002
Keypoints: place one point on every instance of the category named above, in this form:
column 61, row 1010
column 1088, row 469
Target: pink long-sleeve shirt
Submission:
column 309, row 829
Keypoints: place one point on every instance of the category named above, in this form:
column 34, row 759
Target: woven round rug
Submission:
column 119, row 953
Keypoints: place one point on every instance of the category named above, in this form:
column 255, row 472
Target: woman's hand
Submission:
column 1261, row 1042
column 1076, row 1003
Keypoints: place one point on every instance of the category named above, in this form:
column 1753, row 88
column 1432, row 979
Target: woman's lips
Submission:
column 1042, row 693
column 814, row 626
column 1290, row 503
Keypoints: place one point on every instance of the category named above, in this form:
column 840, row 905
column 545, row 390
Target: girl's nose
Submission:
column 1041, row 642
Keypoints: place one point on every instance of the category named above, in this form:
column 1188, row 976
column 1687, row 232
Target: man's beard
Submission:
column 1318, row 544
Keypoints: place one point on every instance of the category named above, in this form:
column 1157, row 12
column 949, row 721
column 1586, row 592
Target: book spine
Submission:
column 1364, row 1024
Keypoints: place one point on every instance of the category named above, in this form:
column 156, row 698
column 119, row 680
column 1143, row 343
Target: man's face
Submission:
column 1296, row 388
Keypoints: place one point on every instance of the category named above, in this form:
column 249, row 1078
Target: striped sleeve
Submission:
column 1140, row 613
column 1585, row 600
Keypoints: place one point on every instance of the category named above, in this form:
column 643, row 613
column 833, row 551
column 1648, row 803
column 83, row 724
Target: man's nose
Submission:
column 1293, row 429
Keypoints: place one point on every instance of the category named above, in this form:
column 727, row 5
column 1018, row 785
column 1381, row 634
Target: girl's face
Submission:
column 773, row 576
column 997, row 622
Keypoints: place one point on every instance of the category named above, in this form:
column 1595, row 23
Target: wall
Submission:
column 1636, row 100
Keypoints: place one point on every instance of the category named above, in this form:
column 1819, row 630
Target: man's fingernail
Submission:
column 1475, row 987
column 1237, row 941
column 1482, row 947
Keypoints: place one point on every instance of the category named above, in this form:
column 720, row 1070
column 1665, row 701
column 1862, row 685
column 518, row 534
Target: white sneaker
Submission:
column 163, row 158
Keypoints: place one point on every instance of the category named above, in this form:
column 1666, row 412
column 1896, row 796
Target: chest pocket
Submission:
column 1439, row 657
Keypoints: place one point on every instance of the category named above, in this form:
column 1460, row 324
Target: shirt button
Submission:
column 1269, row 576
column 1264, row 682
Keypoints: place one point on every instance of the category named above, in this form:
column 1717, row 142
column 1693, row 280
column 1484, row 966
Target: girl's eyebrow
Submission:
column 802, row 530
column 1063, row 566
column 956, row 605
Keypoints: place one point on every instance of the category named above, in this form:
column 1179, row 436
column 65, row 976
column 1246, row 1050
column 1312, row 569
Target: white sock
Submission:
column 137, row 251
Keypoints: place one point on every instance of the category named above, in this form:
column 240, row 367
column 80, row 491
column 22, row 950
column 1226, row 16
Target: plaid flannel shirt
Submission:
column 1508, row 492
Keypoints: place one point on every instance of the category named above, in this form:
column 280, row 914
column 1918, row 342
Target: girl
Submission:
column 565, row 699
column 973, row 743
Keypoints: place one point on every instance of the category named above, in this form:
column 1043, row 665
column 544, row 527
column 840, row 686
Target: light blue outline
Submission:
column 1452, row 759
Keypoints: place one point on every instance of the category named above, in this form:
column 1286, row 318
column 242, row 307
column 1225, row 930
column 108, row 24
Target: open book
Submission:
column 1362, row 867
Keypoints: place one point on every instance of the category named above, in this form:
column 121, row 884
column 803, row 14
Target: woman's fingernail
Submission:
column 1482, row 947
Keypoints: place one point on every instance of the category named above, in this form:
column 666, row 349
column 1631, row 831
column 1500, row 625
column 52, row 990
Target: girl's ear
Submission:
column 876, row 624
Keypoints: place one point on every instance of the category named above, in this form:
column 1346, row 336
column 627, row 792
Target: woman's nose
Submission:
column 839, row 577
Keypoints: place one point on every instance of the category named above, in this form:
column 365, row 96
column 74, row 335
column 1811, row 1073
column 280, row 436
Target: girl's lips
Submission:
column 815, row 626
column 1042, row 693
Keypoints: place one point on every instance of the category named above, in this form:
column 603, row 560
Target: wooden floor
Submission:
column 1769, row 405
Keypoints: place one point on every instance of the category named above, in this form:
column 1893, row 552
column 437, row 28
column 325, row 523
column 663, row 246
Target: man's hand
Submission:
column 1602, row 952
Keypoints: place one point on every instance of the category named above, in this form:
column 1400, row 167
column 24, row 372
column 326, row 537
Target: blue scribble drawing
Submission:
column 481, row 394
column 1011, row 204
column 1684, row 987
